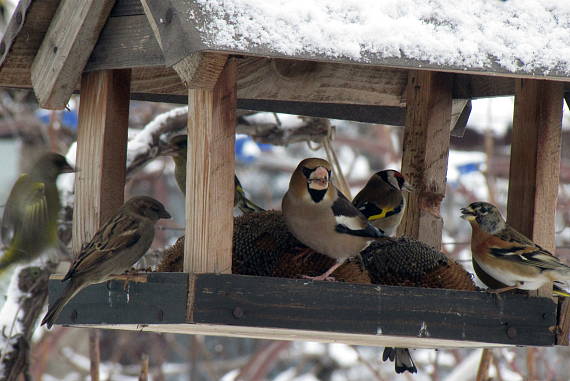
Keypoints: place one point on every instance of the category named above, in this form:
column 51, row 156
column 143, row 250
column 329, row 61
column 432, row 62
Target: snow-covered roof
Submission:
column 520, row 37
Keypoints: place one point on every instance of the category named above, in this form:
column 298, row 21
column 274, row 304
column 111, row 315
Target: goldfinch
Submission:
column 381, row 200
column 29, row 223
column 178, row 146
column 507, row 256
column 118, row 245
column 322, row 218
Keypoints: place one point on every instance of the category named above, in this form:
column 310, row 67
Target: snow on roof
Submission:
column 515, row 35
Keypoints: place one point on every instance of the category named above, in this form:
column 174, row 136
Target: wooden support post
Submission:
column 65, row 49
column 535, row 161
column 425, row 153
column 210, row 167
column 101, row 151
column 101, row 154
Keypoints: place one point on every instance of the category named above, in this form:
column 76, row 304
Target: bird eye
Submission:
column 307, row 172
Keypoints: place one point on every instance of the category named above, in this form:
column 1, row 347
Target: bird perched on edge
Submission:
column 383, row 203
column 382, row 200
column 118, row 245
column 506, row 255
column 322, row 218
column 29, row 223
column 178, row 146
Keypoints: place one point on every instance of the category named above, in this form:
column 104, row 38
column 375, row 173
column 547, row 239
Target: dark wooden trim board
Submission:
column 159, row 299
column 246, row 306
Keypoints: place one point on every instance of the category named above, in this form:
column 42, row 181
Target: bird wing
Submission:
column 374, row 212
column 25, row 210
column 120, row 233
column 350, row 221
column 524, row 252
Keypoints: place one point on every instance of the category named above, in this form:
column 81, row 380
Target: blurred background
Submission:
column 478, row 170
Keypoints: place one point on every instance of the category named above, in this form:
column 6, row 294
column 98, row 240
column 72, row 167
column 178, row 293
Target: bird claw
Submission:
column 320, row 277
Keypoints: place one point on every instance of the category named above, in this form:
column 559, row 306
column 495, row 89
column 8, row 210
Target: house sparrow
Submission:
column 381, row 200
column 507, row 256
column 118, row 245
column 29, row 223
column 178, row 146
column 322, row 218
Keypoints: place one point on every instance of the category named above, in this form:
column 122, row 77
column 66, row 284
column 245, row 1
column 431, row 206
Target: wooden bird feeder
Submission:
column 113, row 51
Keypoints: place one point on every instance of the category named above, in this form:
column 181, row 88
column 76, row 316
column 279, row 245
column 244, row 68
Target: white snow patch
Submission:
column 519, row 35
column 287, row 121
column 492, row 113
column 343, row 354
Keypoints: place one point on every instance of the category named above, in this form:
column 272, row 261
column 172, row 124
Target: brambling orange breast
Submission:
column 506, row 255
column 321, row 217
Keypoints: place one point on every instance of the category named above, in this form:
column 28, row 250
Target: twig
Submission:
column 367, row 364
column 94, row 353
column 483, row 372
column 144, row 368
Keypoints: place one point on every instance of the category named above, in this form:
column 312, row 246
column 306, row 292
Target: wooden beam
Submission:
column 210, row 173
column 101, row 151
column 425, row 153
column 275, row 307
column 60, row 60
column 535, row 161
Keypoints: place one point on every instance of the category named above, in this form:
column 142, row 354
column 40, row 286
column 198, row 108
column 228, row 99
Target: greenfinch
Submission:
column 178, row 146
column 118, row 245
column 29, row 224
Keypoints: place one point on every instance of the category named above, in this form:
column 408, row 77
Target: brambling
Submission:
column 118, row 245
column 29, row 224
column 322, row 218
column 381, row 200
column 506, row 255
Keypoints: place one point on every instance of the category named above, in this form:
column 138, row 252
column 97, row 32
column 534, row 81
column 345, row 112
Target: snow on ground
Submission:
column 519, row 35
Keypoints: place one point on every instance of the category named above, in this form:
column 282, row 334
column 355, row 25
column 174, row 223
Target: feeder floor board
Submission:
column 297, row 309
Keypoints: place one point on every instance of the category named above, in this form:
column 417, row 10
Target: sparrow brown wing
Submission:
column 120, row 233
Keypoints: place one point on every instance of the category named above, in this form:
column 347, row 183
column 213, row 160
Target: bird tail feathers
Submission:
column 402, row 359
column 55, row 309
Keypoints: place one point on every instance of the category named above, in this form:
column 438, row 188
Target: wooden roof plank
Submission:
column 187, row 27
column 65, row 49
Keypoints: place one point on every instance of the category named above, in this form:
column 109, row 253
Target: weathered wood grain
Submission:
column 535, row 161
column 209, row 175
column 425, row 153
column 296, row 309
column 101, row 151
column 202, row 70
column 290, row 80
column 137, row 47
column 363, row 309
column 563, row 332
column 23, row 37
column 65, row 49
column 160, row 298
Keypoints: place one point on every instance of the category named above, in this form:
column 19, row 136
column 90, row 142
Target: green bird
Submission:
column 29, row 223
column 178, row 146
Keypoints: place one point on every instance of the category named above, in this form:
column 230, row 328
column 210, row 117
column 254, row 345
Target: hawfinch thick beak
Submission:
column 468, row 214
column 319, row 179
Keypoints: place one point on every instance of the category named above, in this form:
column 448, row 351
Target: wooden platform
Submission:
column 291, row 309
